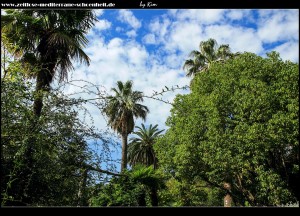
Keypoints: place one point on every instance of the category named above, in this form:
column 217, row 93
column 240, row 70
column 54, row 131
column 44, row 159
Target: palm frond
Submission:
column 209, row 53
column 124, row 103
column 140, row 148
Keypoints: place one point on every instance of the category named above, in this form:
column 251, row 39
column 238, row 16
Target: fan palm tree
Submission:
column 140, row 149
column 147, row 176
column 121, row 110
column 48, row 40
column 209, row 53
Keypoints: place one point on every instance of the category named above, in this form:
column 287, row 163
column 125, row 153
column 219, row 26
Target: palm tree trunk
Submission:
column 42, row 84
column 154, row 197
column 124, row 152
column 142, row 199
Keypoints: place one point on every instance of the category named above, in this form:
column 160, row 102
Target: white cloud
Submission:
column 127, row 16
column 202, row 16
column 149, row 39
column 119, row 29
column 131, row 33
column 102, row 25
column 289, row 51
column 240, row 39
column 160, row 28
column 99, row 12
column 172, row 60
column 235, row 14
column 239, row 14
column 137, row 55
column 191, row 31
column 275, row 25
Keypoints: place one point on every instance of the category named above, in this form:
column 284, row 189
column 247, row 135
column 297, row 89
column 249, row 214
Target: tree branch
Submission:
column 89, row 167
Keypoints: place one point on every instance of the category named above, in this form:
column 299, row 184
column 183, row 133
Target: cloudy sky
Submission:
column 150, row 47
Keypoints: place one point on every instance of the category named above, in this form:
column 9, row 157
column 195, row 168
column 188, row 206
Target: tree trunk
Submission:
column 42, row 84
column 154, row 197
column 227, row 198
column 124, row 152
column 142, row 199
column 82, row 189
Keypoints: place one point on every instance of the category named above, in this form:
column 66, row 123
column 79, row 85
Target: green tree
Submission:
column 63, row 166
column 48, row 40
column 209, row 53
column 58, row 148
column 180, row 192
column 121, row 110
column 140, row 148
column 238, row 125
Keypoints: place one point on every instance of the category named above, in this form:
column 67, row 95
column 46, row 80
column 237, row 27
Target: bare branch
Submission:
column 89, row 167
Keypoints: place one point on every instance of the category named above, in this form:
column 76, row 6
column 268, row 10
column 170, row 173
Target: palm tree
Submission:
column 140, row 149
column 209, row 53
column 147, row 176
column 121, row 110
column 48, row 40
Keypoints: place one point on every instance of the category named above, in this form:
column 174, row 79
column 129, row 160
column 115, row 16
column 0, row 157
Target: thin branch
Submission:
column 158, row 99
column 89, row 167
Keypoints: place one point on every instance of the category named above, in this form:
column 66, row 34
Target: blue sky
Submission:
column 150, row 47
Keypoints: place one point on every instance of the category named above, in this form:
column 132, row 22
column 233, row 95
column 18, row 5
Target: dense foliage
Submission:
column 52, row 173
column 239, row 125
column 133, row 188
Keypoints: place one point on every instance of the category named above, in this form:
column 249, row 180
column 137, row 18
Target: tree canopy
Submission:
column 239, row 125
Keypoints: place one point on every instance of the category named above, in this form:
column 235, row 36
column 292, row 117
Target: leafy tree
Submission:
column 48, row 40
column 140, row 148
column 45, row 41
column 238, row 125
column 209, row 53
column 121, row 110
column 120, row 191
column 60, row 153
column 180, row 192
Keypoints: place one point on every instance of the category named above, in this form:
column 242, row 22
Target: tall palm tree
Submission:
column 48, row 40
column 121, row 110
column 209, row 52
column 140, row 149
